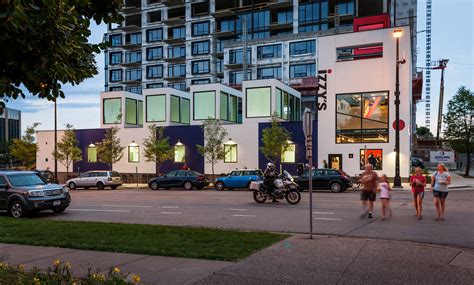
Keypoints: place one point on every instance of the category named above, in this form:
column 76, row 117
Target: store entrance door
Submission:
column 335, row 161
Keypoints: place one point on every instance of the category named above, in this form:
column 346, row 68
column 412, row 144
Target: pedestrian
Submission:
column 185, row 167
column 325, row 164
column 439, row 183
column 385, row 189
column 369, row 179
column 418, row 184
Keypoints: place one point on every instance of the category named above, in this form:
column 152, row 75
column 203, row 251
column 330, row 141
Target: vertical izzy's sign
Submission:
column 322, row 89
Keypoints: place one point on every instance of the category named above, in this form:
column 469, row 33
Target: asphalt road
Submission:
column 333, row 213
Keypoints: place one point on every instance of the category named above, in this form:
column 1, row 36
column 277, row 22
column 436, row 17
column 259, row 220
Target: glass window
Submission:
column 289, row 156
column 178, row 86
column 278, row 97
column 303, row 47
column 200, row 29
column 224, row 106
column 140, row 112
column 285, row 16
column 200, row 66
column 233, row 108
column 133, row 39
column 156, row 108
column 200, row 48
column 154, row 16
column 116, row 88
column 130, row 111
column 230, row 153
column 179, row 153
column 235, row 56
column 269, row 51
column 374, row 157
column 236, row 77
column 269, row 72
column 115, row 40
column 134, row 74
column 177, row 51
column 302, row 70
column 258, row 102
column 178, row 33
column 204, row 105
column 362, row 117
column 115, row 75
column 286, row 105
column 175, row 109
column 112, row 111
column 200, row 81
column 133, row 57
column 133, row 153
column 134, row 89
column 154, row 35
column 91, row 154
column 177, row 70
column 154, row 85
column 154, row 53
column 154, row 71
column 185, row 111
column 115, row 57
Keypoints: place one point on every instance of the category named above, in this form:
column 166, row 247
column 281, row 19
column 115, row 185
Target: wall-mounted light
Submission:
column 91, row 145
column 179, row 143
column 230, row 142
column 133, row 144
column 397, row 33
column 290, row 142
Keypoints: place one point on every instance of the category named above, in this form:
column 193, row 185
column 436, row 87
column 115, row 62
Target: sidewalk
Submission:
column 297, row 260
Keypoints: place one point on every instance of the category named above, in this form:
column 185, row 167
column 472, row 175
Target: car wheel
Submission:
column 335, row 187
column 72, row 185
column 219, row 186
column 188, row 185
column 100, row 186
column 16, row 209
column 114, row 187
column 59, row 210
column 154, row 185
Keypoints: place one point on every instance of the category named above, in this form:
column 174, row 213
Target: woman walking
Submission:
column 418, row 184
column 440, row 181
column 385, row 189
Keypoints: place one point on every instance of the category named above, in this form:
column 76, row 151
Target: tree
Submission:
column 275, row 140
column 459, row 121
column 68, row 152
column 24, row 149
column 423, row 133
column 109, row 150
column 157, row 147
column 213, row 149
column 45, row 44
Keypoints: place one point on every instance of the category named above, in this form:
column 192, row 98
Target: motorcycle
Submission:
column 285, row 188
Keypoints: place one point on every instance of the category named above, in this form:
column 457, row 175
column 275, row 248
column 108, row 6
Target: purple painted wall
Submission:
column 86, row 137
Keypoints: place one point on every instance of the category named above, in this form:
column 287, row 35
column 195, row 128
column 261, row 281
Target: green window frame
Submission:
column 91, row 154
column 130, row 111
column 175, row 109
column 231, row 153
column 289, row 156
column 156, row 108
column 258, row 102
column 204, row 105
column 112, row 111
column 133, row 154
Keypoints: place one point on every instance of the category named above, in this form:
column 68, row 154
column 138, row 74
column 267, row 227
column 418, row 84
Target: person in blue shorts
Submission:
column 439, row 183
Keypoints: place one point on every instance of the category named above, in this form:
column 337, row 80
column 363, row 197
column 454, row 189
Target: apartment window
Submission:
column 200, row 8
column 91, row 154
column 374, row 157
column 115, row 75
column 236, row 77
column 227, row 25
column 174, row 109
column 346, row 8
column 199, row 48
column 177, row 51
column 200, row 81
column 112, row 111
column 303, row 47
column 200, row 66
column 289, row 156
column 156, row 108
column 133, row 57
column 235, row 56
column 180, row 110
column 269, row 72
column 176, row 70
column 308, row 13
column 178, row 33
column 269, row 51
column 359, row 52
column 204, row 105
column 258, row 102
column 134, row 74
column 178, row 86
column 230, row 151
column 154, row 85
column 284, row 17
column 154, row 16
column 133, row 39
column 302, row 70
column 362, row 117
column 115, row 40
column 185, row 111
column 154, row 53
column 154, row 35
column 228, row 107
column 134, row 89
column 131, row 114
column 116, row 88
column 133, row 153
column 115, row 57
column 179, row 153
column 154, row 71
column 200, row 29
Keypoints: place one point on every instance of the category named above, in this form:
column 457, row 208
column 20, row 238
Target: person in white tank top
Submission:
column 384, row 188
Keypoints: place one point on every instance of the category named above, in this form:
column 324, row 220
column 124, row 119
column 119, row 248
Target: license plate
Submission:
column 56, row 203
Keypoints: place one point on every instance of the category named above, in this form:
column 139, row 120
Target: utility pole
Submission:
column 441, row 64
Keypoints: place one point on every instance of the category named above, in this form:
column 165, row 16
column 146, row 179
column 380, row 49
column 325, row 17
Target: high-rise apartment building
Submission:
column 10, row 128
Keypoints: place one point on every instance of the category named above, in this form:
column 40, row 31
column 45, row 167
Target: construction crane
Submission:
column 428, row 65
column 440, row 64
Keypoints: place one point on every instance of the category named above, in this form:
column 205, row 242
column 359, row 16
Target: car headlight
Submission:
column 36, row 193
column 65, row 189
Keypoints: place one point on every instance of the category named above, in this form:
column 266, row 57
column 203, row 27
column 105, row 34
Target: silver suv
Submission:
column 99, row 179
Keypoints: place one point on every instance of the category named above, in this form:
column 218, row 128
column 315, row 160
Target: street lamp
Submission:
column 397, row 181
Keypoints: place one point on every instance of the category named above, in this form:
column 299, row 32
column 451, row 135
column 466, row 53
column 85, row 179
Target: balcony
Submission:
column 236, row 65
column 225, row 34
column 132, row 6
column 173, row 41
column 175, row 59
column 131, row 46
column 172, row 2
column 223, row 14
column 277, row 4
column 218, row 54
column 280, row 26
column 175, row 77
column 175, row 21
column 130, row 28
column 132, row 64
column 131, row 81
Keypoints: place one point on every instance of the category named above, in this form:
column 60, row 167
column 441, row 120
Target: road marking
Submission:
column 243, row 210
column 169, row 207
column 328, row 219
column 248, row 216
column 126, row 206
column 171, row 213
column 95, row 210
column 324, row 213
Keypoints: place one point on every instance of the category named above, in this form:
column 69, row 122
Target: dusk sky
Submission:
column 452, row 38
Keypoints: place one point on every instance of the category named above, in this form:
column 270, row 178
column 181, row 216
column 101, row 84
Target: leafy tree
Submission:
column 157, row 147
column 275, row 140
column 24, row 149
column 459, row 121
column 68, row 152
column 109, row 150
column 423, row 133
column 213, row 149
column 44, row 44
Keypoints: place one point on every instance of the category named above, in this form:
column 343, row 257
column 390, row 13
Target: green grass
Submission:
column 188, row 242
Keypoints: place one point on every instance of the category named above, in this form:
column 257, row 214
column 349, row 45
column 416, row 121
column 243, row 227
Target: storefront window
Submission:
column 179, row 153
column 133, row 153
column 362, row 118
column 156, row 108
column 289, row 155
column 204, row 105
column 374, row 157
column 91, row 154
column 112, row 111
column 230, row 153
column 258, row 102
column 175, row 109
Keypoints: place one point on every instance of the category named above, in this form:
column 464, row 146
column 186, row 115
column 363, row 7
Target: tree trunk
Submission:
column 212, row 167
column 67, row 172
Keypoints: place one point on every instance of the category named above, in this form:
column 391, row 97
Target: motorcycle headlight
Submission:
column 36, row 193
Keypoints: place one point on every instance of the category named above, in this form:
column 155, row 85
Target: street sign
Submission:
column 401, row 125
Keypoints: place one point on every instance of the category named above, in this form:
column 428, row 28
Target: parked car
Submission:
column 24, row 192
column 416, row 162
column 99, row 179
column 332, row 179
column 47, row 175
column 239, row 178
column 186, row 179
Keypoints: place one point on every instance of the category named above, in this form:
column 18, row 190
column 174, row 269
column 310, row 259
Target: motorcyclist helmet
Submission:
column 270, row 165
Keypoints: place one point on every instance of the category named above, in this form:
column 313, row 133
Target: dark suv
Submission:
column 24, row 192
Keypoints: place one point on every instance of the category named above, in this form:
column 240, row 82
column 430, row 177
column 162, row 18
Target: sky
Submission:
column 452, row 38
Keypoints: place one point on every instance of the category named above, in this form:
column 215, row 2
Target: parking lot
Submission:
column 333, row 213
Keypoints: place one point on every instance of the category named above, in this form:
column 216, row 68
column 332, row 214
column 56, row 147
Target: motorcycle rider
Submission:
column 269, row 176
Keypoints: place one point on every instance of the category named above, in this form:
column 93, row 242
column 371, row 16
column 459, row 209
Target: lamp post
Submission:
column 397, row 181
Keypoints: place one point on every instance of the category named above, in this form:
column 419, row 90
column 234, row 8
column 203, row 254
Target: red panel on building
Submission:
column 372, row 23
